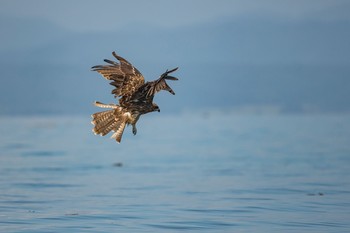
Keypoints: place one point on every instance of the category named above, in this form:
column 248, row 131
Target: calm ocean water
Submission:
column 204, row 173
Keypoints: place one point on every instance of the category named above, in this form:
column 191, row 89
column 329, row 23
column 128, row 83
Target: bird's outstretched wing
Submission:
column 147, row 91
column 124, row 76
column 160, row 84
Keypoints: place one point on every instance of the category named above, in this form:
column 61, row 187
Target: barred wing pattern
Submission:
column 136, row 97
column 124, row 76
column 160, row 84
column 147, row 91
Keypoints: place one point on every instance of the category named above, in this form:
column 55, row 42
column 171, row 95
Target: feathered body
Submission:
column 136, row 97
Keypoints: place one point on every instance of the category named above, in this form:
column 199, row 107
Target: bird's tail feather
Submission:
column 119, row 129
column 107, row 121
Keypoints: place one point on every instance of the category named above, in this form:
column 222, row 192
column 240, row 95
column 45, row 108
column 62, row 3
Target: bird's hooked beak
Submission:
column 156, row 109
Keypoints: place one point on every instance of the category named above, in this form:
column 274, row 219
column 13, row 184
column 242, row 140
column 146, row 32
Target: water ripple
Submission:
column 43, row 153
column 45, row 185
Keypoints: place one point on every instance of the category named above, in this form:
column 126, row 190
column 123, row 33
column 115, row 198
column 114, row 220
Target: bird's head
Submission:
column 155, row 108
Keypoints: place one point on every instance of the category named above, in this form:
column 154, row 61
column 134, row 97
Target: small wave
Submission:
column 43, row 153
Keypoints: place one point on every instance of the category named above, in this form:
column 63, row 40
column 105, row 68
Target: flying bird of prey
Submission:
column 135, row 97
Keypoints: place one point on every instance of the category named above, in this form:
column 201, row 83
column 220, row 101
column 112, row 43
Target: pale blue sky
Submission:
column 288, row 56
column 106, row 15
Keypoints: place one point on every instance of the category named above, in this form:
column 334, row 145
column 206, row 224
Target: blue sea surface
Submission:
column 215, row 172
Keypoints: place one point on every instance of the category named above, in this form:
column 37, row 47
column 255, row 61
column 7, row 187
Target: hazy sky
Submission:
column 91, row 15
column 289, row 55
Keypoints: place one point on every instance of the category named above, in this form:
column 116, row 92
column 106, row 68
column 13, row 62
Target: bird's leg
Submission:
column 134, row 130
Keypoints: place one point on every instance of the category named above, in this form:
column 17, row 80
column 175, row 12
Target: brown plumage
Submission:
column 135, row 97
